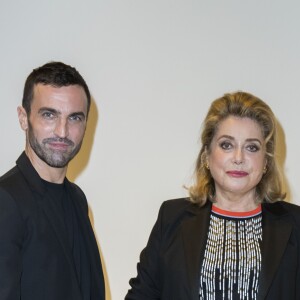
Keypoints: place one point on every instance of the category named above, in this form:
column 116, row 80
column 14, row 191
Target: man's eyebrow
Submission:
column 54, row 111
column 78, row 113
column 49, row 109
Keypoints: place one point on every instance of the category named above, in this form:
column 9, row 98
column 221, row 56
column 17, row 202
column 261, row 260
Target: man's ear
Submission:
column 23, row 118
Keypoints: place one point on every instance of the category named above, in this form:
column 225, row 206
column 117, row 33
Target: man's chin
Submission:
column 56, row 161
column 57, row 166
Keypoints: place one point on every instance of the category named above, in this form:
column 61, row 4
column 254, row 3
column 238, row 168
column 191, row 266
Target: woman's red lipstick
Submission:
column 237, row 173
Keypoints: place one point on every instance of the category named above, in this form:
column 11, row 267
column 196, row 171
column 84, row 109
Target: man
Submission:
column 47, row 246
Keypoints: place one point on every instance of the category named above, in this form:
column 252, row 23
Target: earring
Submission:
column 207, row 165
column 265, row 170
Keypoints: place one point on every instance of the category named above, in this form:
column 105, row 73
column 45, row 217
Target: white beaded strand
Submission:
column 233, row 252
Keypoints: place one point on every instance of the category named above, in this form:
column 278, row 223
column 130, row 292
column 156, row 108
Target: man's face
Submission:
column 56, row 125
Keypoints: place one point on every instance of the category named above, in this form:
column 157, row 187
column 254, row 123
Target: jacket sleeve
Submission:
column 147, row 285
column 11, row 237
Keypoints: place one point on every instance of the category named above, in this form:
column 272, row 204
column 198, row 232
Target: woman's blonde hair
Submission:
column 243, row 105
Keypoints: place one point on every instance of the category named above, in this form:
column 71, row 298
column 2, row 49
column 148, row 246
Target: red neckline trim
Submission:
column 243, row 214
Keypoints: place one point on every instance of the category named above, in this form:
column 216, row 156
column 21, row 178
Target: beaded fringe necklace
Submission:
column 232, row 258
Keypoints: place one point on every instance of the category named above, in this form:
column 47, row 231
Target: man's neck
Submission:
column 46, row 172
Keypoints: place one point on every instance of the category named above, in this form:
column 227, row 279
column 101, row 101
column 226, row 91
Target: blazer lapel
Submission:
column 85, row 225
column 97, row 280
column 276, row 233
column 194, row 233
column 45, row 203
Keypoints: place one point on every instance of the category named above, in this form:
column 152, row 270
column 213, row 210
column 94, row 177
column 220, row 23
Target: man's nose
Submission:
column 61, row 128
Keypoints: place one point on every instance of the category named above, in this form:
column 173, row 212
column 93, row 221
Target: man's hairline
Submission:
column 88, row 107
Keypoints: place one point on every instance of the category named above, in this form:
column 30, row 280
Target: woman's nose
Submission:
column 238, row 157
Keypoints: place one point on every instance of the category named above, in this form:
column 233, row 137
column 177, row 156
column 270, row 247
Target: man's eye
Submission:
column 76, row 118
column 47, row 115
column 226, row 145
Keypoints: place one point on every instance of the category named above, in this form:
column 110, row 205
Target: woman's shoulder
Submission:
column 173, row 213
column 179, row 204
column 290, row 207
column 284, row 210
column 180, row 208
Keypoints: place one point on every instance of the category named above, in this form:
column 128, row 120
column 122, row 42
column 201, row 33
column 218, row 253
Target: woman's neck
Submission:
column 234, row 202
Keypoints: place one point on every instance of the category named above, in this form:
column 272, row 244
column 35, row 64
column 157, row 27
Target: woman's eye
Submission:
column 226, row 145
column 253, row 148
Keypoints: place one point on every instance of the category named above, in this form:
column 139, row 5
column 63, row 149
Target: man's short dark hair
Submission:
column 56, row 74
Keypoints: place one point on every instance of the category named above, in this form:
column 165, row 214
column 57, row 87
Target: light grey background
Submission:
column 153, row 68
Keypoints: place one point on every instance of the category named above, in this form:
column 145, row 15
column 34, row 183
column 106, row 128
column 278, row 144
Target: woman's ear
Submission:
column 204, row 158
column 265, row 169
column 23, row 118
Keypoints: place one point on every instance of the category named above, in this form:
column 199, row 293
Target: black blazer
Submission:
column 35, row 257
column 169, row 267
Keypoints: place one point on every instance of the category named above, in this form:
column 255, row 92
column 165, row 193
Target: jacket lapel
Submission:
column 276, row 233
column 195, row 230
column 85, row 225
column 48, row 208
column 97, row 279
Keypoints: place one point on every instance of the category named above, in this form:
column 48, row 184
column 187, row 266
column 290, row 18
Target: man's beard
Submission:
column 53, row 158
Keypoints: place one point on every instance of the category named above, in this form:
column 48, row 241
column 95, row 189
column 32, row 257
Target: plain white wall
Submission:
column 153, row 68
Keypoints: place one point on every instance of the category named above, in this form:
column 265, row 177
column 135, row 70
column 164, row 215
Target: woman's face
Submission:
column 237, row 157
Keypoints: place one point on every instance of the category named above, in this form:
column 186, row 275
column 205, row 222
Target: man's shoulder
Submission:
column 10, row 178
column 14, row 185
column 75, row 188
column 77, row 194
column 15, row 177
column 15, row 193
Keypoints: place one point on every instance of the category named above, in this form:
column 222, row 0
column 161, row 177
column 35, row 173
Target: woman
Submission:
column 233, row 238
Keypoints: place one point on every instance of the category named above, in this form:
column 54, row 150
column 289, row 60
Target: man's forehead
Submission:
column 71, row 97
column 44, row 88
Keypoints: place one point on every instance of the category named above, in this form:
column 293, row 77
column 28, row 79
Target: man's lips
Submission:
column 235, row 173
column 58, row 144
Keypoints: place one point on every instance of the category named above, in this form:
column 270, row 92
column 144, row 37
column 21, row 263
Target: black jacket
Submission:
column 35, row 258
column 169, row 267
